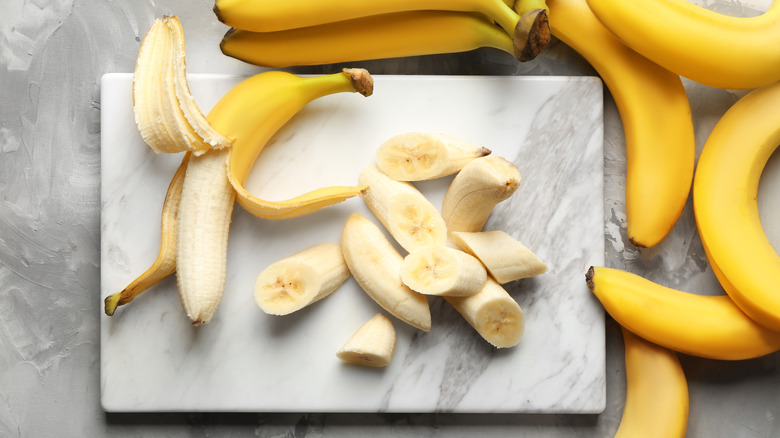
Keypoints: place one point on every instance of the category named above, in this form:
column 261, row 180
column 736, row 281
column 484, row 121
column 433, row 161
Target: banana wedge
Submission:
column 405, row 212
column 372, row 345
column 375, row 265
column 493, row 313
column 418, row 156
column 476, row 189
column 504, row 257
column 301, row 279
column 443, row 271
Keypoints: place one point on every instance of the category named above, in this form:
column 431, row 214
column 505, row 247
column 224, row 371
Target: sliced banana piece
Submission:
column 375, row 265
column 405, row 212
column 505, row 258
column 165, row 111
column 372, row 345
column 478, row 187
column 417, row 156
column 493, row 313
column 443, row 271
column 301, row 279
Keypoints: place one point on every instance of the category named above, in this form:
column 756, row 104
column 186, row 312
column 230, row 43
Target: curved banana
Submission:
column 252, row 112
column 705, row 46
column 725, row 206
column 699, row 325
column 656, row 392
column 165, row 263
column 656, row 117
column 375, row 37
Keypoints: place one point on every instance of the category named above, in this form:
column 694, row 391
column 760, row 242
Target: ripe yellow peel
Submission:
column 656, row 115
column 255, row 109
column 724, row 201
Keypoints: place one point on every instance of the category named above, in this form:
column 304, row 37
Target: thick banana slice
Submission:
column 165, row 111
column 301, row 279
column 417, row 156
column 444, row 271
column 505, row 258
column 406, row 213
column 477, row 188
column 375, row 265
column 493, row 313
column 372, row 345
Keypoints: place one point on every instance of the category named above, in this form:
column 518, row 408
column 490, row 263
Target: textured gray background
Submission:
column 52, row 54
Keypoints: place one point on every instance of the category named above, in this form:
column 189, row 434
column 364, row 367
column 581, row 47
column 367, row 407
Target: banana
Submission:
column 165, row 111
column 475, row 190
column 375, row 37
column 699, row 325
column 660, row 162
column 301, row 279
column 252, row 112
column 375, row 265
column 372, row 345
column 493, row 313
column 165, row 263
column 656, row 392
column 443, row 271
column 504, row 257
column 724, row 201
column 405, row 212
column 707, row 47
column 418, row 156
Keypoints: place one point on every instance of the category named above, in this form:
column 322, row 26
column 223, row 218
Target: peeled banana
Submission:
column 405, row 212
column 475, row 190
column 444, row 271
column 376, row 266
column 725, row 206
column 301, row 279
column 418, row 156
column 504, row 257
column 699, row 325
column 372, row 345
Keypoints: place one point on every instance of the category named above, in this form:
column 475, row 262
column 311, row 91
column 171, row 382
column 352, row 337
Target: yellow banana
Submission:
column 656, row 117
column 656, row 392
column 699, row 325
column 705, row 46
column 374, row 37
column 165, row 263
column 725, row 206
column 255, row 109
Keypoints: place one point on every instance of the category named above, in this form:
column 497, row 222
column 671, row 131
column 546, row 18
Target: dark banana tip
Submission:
column 532, row 35
column 217, row 12
column 589, row 277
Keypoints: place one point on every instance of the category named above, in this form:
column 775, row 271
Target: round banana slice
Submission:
column 372, row 345
column 444, row 271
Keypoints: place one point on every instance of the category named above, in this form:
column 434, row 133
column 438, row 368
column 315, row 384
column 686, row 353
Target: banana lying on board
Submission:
column 724, row 202
column 372, row 345
column 708, row 47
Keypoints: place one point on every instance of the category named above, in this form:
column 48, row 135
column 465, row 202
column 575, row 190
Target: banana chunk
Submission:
column 478, row 187
column 405, row 212
column 301, row 279
column 504, row 257
column 418, row 156
column 375, row 265
column 443, row 271
column 493, row 313
column 372, row 345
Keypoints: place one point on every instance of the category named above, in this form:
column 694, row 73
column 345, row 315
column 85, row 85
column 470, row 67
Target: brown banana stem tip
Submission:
column 589, row 278
column 361, row 80
column 217, row 12
column 532, row 35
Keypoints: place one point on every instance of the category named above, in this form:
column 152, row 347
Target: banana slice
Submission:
column 372, row 345
column 477, row 188
column 417, row 156
column 165, row 111
column 375, row 265
column 443, row 271
column 493, row 313
column 406, row 213
column 505, row 258
column 301, row 279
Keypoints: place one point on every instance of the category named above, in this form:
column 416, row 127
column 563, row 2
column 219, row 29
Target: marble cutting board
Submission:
column 247, row 361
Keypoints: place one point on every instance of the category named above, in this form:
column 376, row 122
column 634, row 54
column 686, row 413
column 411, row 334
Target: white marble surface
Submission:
column 245, row 360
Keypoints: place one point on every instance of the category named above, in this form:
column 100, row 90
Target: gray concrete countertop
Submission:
column 52, row 55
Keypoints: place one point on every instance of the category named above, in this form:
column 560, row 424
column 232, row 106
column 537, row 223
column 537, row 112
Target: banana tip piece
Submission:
column 589, row 277
column 532, row 35
column 111, row 302
column 361, row 80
